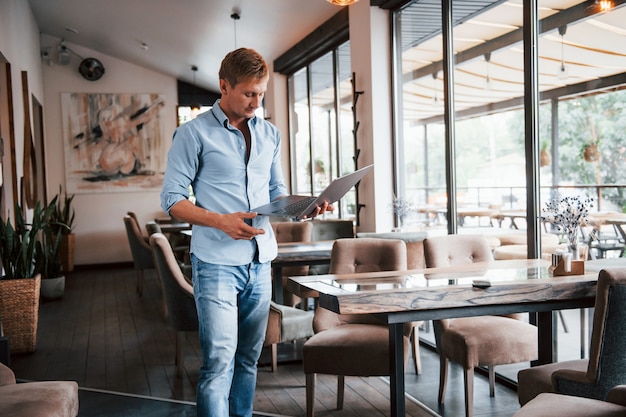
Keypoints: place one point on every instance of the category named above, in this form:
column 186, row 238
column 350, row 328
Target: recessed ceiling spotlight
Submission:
column 71, row 30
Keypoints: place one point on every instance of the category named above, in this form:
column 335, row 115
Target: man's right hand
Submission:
column 235, row 226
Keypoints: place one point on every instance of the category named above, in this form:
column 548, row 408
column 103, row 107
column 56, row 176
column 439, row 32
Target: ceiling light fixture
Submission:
column 605, row 5
column 235, row 16
column 562, row 72
column 195, row 105
column 435, row 97
column 342, row 2
column 487, row 76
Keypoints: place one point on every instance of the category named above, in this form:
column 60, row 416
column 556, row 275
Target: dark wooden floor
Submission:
column 104, row 336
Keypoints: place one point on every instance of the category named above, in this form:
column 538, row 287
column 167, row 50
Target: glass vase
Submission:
column 572, row 247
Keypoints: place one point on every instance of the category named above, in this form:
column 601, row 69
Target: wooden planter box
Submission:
column 19, row 310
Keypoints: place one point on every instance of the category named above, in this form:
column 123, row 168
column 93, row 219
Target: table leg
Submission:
column 547, row 340
column 396, row 365
column 277, row 284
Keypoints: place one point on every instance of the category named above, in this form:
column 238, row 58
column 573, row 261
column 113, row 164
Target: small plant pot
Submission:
column 52, row 288
column 544, row 158
column 591, row 153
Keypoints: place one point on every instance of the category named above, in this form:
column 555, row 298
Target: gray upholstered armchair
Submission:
column 139, row 249
column 286, row 324
column 606, row 366
column 475, row 341
column 358, row 344
column 182, row 315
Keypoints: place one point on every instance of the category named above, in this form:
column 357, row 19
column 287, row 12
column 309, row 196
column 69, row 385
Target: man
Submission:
column 232, row 161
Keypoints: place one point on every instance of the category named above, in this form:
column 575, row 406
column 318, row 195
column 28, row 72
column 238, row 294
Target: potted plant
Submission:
column 63, row 220
column 20, row 281
column 590, row 152
column 47, row 256
column 545, row 158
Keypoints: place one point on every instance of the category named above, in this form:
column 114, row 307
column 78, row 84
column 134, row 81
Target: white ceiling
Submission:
column 180, row 34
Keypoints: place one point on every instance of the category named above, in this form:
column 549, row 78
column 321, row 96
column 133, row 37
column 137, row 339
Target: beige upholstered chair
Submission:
column 559, row 405
column 182, row 315
column 329, row 230
column 180, row 245
column 415, row 260
column 286, row 324
column 353, row 345
column 36, row 399
column 475, row 341
column 292, row 232
column 606, row 366
column 139, row 249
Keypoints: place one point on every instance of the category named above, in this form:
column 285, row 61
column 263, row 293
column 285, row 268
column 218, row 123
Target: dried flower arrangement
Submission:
column 568, row 213
column 402, row 208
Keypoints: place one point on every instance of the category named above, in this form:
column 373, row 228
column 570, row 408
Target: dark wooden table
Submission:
column 403, row 296
column 297, row 254
column 174, row 227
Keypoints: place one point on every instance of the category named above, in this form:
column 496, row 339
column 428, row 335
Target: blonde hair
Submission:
column 242, row 64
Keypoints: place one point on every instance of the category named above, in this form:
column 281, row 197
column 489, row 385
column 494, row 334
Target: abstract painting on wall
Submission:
column 113, row 142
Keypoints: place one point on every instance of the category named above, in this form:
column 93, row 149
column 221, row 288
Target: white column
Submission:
column 370, row 58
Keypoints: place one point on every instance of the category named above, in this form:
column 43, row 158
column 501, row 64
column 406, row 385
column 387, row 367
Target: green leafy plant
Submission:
column 47, row 257
column 62, row 217
column 18, row 244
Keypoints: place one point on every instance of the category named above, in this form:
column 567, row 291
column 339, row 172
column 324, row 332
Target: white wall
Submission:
column 19, row 45
column 370, row 57
column 99, row 228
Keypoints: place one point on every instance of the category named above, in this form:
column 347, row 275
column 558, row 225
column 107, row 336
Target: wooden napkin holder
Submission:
column 577, row 268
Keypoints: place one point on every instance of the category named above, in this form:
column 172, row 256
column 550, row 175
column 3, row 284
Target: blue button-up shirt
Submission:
column 210, row 154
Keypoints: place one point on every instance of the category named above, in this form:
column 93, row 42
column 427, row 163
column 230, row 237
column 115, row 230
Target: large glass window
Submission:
column 321, row 124
column 581, row 75
column 581, row 118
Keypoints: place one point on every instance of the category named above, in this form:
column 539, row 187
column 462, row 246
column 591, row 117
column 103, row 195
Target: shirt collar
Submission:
column 222, row 118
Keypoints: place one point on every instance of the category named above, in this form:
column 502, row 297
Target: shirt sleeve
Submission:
column 182, row 163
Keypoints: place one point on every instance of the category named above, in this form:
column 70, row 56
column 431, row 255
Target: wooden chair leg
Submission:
column 310, row 395
column 179, row 360
column 140, row 282
column 492, row 381
column 274, row 350
column 341, row 385
column 469, row 392
column 443, row 378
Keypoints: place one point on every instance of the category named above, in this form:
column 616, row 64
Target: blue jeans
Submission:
column 233, row 306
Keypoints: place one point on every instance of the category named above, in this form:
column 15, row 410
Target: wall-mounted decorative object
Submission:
column 113, row 142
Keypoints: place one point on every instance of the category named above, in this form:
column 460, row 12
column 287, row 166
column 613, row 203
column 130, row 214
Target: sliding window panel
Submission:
column 323, row 119
column 300, row 133
column 420, row 146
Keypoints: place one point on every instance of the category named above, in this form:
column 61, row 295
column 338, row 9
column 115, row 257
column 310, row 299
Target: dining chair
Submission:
column 415, row 260
column 560, row 405
column 606, row 366
column 475, row 341
column 329, row 230
column 179, row 243
column 292, row 232
column 286, row 324
column 139, row 249
column 352, row 344
column 182, row 315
